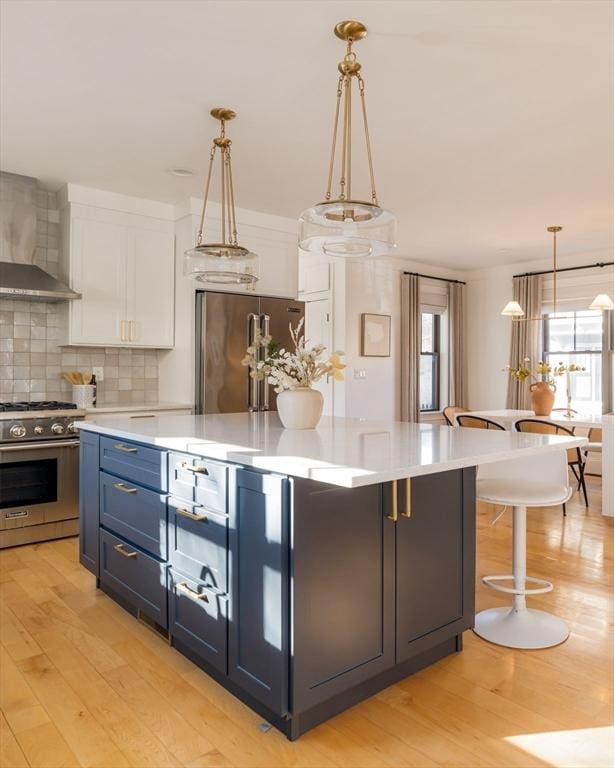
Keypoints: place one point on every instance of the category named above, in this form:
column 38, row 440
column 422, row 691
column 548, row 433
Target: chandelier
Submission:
column 513, row 309
column 345, row 226
column 225, row 261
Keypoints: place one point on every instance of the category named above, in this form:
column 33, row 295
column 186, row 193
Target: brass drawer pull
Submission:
column 190, row 515
column 394, row 515
column 125, row 448
column 124, row 488
column 407, row 512
column 197, row 470
column 191, row 593
column 120, row 548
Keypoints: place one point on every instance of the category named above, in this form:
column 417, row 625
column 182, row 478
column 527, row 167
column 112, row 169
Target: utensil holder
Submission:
column 83, row 395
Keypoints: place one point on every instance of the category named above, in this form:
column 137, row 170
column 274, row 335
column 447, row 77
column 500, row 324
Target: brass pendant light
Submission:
column 513, row 309
column 225, row 261
column 344, row 226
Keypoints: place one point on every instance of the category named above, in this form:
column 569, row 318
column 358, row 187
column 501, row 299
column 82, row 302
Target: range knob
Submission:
column 38, row 430
column 57, row 429
column 17, row 430
column 71, row 428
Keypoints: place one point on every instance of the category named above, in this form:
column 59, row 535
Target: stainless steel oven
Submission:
column 39, row 477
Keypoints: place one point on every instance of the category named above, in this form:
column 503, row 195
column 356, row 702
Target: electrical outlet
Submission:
column 360, row 373
column 98, row 373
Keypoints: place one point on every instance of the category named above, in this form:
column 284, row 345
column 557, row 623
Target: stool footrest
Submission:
column 491, row 581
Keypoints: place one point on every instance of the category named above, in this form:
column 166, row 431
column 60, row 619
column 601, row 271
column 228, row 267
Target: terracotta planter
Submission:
column 300, row 408
column 542, row 397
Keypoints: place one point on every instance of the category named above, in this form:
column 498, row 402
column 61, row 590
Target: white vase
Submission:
column 300, row 408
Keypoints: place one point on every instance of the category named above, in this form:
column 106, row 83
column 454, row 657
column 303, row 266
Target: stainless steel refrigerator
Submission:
column 225, row 326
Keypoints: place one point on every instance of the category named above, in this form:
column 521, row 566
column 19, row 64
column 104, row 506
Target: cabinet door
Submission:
column 342, row 589
column 98, row 272
column 258, row 611
column 435, row 560
column 150, row 278
column 88, row 501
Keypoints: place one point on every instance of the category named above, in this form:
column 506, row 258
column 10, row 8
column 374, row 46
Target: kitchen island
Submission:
column 303, row 570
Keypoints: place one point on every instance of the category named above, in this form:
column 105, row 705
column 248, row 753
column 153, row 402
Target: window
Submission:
column 576, row 337
column 430, row 362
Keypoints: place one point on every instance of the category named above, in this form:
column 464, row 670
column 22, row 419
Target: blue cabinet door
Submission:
column 258, row 610
column 435, row 556
column 88, row 501
column 343, row 589
column 136, row 462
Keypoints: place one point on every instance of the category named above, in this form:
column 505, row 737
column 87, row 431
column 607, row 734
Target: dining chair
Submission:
column 477, row 422
column 450, row 411
column 595, row 439
column 574, row 455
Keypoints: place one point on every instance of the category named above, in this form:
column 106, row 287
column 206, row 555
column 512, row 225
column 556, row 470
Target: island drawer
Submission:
column 200, row 480
column 134, row 462
column 135, row 576
column 198, row 542
column 198, row 618
column 134, row 512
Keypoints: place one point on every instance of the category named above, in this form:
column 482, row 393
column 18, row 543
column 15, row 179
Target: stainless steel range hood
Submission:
column 26, row 281
column 19, row 277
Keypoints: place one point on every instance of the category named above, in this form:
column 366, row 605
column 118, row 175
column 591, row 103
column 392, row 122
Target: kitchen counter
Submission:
column 137, row 407
column 344, row 452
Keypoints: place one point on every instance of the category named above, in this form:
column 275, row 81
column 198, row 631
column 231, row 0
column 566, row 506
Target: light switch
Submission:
column 360, row 373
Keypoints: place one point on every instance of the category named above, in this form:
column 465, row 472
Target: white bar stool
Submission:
column 538, row 481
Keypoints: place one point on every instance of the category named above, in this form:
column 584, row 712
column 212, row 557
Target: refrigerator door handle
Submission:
column 265, row 325
column 253, row 386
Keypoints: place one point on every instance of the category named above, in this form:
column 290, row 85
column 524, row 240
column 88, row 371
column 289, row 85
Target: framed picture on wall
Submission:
column 375, row 335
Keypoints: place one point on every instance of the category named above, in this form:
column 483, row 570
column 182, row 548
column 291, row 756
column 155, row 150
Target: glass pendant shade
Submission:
column 347, row 229
column 512, row 309
column 344, row 227
column 603, row 302
column 223, row 262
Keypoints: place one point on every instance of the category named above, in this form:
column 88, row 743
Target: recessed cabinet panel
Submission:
column 98, row 273
column 343, row 589
column 431, row 569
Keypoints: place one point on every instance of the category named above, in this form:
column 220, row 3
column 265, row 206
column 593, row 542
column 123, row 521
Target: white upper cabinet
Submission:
column 314, row 275
column 123, row 265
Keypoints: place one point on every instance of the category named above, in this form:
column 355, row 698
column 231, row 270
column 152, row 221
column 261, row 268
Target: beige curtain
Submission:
column 410, row 348
column 607, row 363
column 526, row 336
column 456, row 368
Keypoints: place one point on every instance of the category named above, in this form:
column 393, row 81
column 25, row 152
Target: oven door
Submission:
column 39, row 483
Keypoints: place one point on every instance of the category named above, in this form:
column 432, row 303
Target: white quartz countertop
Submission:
column 138, row 407
column 345, row 452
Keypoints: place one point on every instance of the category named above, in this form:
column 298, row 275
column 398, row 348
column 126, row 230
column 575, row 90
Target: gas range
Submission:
column 39, row 420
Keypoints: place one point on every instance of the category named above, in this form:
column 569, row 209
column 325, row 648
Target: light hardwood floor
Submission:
column 83, row 684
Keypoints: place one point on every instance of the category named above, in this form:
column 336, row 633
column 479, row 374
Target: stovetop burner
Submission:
column 37, row 405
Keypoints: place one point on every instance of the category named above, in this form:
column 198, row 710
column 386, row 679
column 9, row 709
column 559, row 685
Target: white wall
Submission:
column 375, row 286
column 273, row 238
column 488, row 333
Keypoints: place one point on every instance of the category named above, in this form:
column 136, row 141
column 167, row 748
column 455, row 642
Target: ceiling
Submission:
column 490, row 120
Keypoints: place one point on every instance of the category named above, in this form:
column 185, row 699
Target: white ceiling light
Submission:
column 344, row 226
column 224, row 261
column 181, row 172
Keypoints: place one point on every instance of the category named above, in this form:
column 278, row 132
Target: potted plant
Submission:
column 543, row 387
column 293, row 374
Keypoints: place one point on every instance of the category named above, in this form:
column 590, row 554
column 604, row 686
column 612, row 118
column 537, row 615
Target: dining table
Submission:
column 507, row 418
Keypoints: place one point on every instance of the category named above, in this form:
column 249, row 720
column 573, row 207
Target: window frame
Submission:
column 435, row 356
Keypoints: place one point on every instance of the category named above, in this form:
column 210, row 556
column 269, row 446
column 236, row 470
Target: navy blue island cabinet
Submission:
column 301, row 598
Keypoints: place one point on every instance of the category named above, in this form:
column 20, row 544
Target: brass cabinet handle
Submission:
column 196, row 470
column 407, row 512
column 120, row 548
column 182, row 587
column 123, row 324
column 124, row 488
column 132, row 326
column 125, row 448
column 190, row 515
column 394, row 515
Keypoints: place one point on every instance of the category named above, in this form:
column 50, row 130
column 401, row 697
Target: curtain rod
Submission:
column 432, row 277
column 567, row 269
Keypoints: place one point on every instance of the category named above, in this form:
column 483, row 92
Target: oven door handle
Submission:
column 39, row 446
